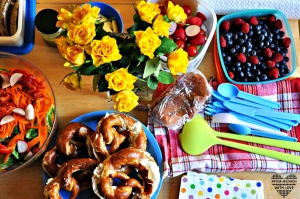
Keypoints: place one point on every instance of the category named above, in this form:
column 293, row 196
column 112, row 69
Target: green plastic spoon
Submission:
column 197, row 136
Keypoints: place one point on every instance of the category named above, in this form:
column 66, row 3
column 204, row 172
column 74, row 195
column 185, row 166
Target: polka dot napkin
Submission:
column 200, row 185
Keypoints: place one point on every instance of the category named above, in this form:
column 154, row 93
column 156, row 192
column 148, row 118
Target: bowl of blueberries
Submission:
column 255, row 46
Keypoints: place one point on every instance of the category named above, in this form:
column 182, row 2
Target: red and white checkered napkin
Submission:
column 226, row 159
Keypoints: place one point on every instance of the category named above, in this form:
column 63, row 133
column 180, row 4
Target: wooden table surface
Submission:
column 27, row 182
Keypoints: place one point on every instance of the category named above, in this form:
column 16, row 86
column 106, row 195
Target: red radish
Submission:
column 162, row 10
column 194, row 21
column 182, row 24
column 19, row 111
column 192, row 30
column 179, row 34
column 187, row 10
column 29, row 112
column 198, row 39
column 5, row 82
column 202, row 32
column 180, row 44
column 22, row 146
column 202, row 16
column 191, row 50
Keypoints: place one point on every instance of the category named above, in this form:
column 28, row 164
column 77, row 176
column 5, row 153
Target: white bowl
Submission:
column 209, row 26
column 18, row 38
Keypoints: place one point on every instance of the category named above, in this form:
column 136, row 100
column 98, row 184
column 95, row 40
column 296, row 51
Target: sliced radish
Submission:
column 22, row 146
column 19, row 111
column 28, row 155
column 172, row 28
column 29, row 112
column 5, row 82
column 192, row 30
column 15, row 78
column 7, row 119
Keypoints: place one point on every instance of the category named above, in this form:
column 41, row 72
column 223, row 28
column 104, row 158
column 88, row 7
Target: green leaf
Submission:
column 136, row 18
column 102, row 86
column 86, row 69
column 167, row 46
column 31, row 133
column 95, row 81
column 49, row 116
column 16, row 130
column 151, row 66
column 165, row 77
column 152, row 82
column 15, row 154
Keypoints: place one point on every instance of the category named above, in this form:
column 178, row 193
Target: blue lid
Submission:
column 29, row 31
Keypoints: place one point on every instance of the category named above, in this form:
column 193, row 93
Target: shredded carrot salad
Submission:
column 28, row 90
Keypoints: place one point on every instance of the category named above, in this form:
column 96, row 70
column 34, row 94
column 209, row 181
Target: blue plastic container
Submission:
column 28, row 34
column 260, row 13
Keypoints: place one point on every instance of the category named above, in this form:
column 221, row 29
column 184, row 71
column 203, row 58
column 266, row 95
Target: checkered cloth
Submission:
column 226, row 159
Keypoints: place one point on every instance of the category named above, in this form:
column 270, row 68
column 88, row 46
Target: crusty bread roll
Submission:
column 181, row 100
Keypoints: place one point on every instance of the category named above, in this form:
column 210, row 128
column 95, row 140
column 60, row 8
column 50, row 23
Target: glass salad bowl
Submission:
column 27, row 113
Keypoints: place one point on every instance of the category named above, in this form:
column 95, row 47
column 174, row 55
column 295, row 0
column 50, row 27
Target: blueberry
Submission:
column 230, row 42
column 261, row 37
column 263, row 77
column 227, row 59
column 256, row 79
column 241, row 74
column 242, row 49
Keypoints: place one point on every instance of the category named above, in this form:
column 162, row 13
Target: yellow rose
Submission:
column 62, row 44
column 161, row 27
column 147, row 10
column 73, row 81
column 147, row 41
column 85, row 13
column 105, row 51
column 75, row 55
column 120, row 80
column 64, row 18
column 82, row 34
column 178, row 61
column 176, row 13
column 125, row 101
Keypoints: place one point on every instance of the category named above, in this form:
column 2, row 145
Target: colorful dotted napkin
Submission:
column 200, row 185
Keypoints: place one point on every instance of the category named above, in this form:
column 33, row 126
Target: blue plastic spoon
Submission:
column 231, row 91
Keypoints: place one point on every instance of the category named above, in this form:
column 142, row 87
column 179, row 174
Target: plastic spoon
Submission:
column 218, row 96
column 243, row 130
column 197, row 137
column 231, row 91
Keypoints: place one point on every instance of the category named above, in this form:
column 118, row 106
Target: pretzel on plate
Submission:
column 111, row 168
column 69, row 142
column 65, row 179
column 111, row 131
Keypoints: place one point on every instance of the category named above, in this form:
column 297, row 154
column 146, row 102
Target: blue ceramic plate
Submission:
column 91, row 120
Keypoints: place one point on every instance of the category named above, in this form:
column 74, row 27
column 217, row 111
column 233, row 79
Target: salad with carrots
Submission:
column 26, row 116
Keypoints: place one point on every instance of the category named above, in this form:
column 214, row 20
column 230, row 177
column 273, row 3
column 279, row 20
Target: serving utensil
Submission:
column 197, row 136
column 231, row 91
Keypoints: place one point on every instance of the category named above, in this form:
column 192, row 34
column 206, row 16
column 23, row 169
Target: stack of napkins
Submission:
column 200, row 185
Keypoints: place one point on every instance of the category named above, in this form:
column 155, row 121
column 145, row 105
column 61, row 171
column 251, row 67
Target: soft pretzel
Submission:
column 65, row 179
column 69, row 141
column 111, row 167
column 112, row 130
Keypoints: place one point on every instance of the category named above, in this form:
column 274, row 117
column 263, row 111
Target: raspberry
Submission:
column 225, row 25
column 230, row 74
column 270, row 19
column 238, row 21
column 267, row 52
column 270, row 64
column 241, row 58
column 222, row 42
column 277, row 57
column 277, row 24
column 253, row 21
column 286, row 42
column 253, row 60
column 245, row 28
column 273, row 73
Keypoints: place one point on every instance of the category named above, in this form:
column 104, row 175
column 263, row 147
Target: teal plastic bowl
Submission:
column 260, row 13
column 108, row 11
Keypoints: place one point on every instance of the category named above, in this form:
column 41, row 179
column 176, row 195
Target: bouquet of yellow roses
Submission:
column 117, row 62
